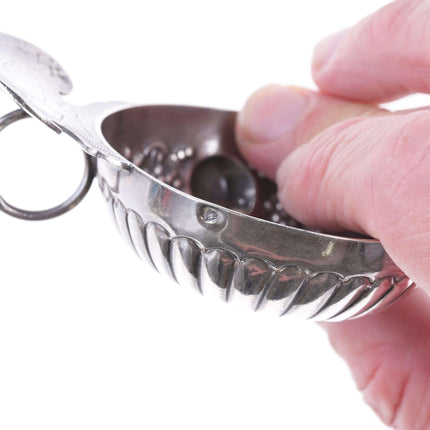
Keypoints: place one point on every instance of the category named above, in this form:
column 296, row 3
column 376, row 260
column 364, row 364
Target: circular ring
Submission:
column 62, row 208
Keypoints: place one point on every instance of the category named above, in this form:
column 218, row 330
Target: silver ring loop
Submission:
column 62, row 208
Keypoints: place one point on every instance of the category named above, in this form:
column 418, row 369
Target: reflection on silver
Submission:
column 190, row 206
column 63, row 207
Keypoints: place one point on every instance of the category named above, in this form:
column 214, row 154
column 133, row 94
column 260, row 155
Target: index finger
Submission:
column 383, row 57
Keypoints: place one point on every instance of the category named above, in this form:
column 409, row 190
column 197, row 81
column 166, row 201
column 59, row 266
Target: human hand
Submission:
column 342, row 162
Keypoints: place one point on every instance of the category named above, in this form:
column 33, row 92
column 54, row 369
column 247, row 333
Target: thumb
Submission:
column 276, row 119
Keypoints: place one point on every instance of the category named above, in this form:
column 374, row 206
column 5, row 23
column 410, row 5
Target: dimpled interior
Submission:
column 194, row 150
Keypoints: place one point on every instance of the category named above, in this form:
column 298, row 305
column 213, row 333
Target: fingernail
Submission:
column 326, row 49
column 271, row 112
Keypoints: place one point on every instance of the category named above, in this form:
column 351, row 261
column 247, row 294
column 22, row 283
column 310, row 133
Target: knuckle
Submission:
column 409, row 148
column 389, row 388
column 404, row 22
column 396, row 15
column 399, row 191
column 386, row 407
column 396, row 404
column 409, row 145
column 326, row 149
column 399, row 177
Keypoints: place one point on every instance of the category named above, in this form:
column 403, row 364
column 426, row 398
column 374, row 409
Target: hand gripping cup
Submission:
column 187, row 203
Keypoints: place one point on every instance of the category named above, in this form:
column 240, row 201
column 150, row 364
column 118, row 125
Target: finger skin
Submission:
column 380, row 188
column 369, row 175
column 383, row 57
column 389, row 357
column 389, row 352
column 276, row 119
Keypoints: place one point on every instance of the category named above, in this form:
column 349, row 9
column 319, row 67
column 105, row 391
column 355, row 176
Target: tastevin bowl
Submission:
column 185, row 200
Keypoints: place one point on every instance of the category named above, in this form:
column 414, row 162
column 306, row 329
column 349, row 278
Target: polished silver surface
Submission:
column 63, row 207
column 184, row 199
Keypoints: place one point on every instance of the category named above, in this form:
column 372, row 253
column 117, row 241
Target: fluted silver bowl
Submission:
column 188, row 204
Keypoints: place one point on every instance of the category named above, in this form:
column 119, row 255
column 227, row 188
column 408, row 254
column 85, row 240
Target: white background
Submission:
column 92, row 338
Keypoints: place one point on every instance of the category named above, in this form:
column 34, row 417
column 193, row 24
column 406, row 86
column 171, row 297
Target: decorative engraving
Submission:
column 158, row 246
column 57, row 73
column 287, row 289
column 216, row 271
column 185, row 258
